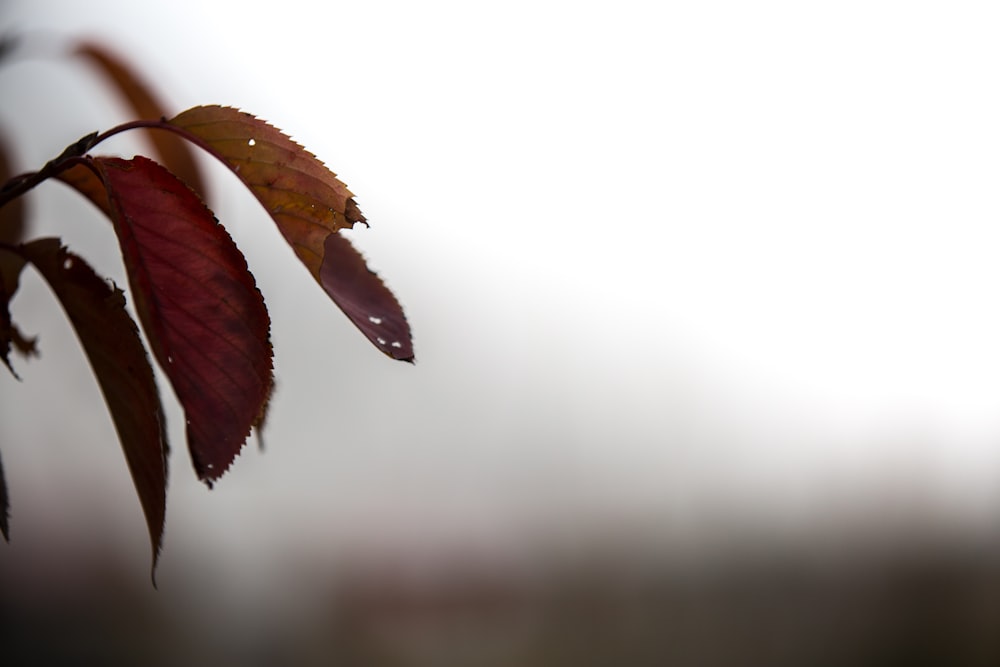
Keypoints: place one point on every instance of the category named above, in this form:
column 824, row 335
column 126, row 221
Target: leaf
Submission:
column 174, row 153
column 309, row 205
column 364, row 298
column 304, row 198
column 199, row 305
column 112, row 344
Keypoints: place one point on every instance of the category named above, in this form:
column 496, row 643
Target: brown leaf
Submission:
column 309, row 205
column 198, row 303
column 112, row 344
column 304, row 197
column 173, row 152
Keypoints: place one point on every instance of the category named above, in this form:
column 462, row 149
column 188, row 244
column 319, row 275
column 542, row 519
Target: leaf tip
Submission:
column 10, row 367
column 353, row 214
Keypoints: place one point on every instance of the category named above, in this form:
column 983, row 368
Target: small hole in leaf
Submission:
column 374, row 320
column 252, row 142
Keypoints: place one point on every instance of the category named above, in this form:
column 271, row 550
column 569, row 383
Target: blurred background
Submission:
column 703, row 298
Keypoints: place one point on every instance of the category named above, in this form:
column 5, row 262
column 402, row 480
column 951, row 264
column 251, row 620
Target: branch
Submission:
column 18, row 185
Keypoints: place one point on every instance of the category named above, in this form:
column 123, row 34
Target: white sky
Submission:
column 651, row 251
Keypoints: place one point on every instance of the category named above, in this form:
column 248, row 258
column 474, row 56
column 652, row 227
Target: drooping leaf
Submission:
column 364, row 298
column 173, row 152
column 199, row 305
column 309, row 205
column 118, row 358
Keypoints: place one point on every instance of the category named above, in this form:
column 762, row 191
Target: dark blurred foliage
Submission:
column 923, row 602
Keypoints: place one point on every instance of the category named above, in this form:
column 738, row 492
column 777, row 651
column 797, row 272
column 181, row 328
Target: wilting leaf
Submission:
column 4, row 506
column 364, row 298
column 309, row 205
column 198, row 303
column 111, row 341
column 174, row 153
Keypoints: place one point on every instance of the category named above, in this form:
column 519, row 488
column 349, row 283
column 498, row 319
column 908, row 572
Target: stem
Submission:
column 18, row 185
column 160, row 124
column 74, row 153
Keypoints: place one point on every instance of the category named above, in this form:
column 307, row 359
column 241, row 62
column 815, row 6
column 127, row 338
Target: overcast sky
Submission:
column 652, row 253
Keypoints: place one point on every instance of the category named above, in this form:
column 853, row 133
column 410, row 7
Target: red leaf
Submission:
column 111, row 341
column 309, row 205
column 173, row 152
column 364, row 298
column 198, row 304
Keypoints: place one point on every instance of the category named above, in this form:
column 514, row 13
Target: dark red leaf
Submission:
column 173, row 152
column 112, row 344
column 309, row 204
column 198, row 303
column 364, row 298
